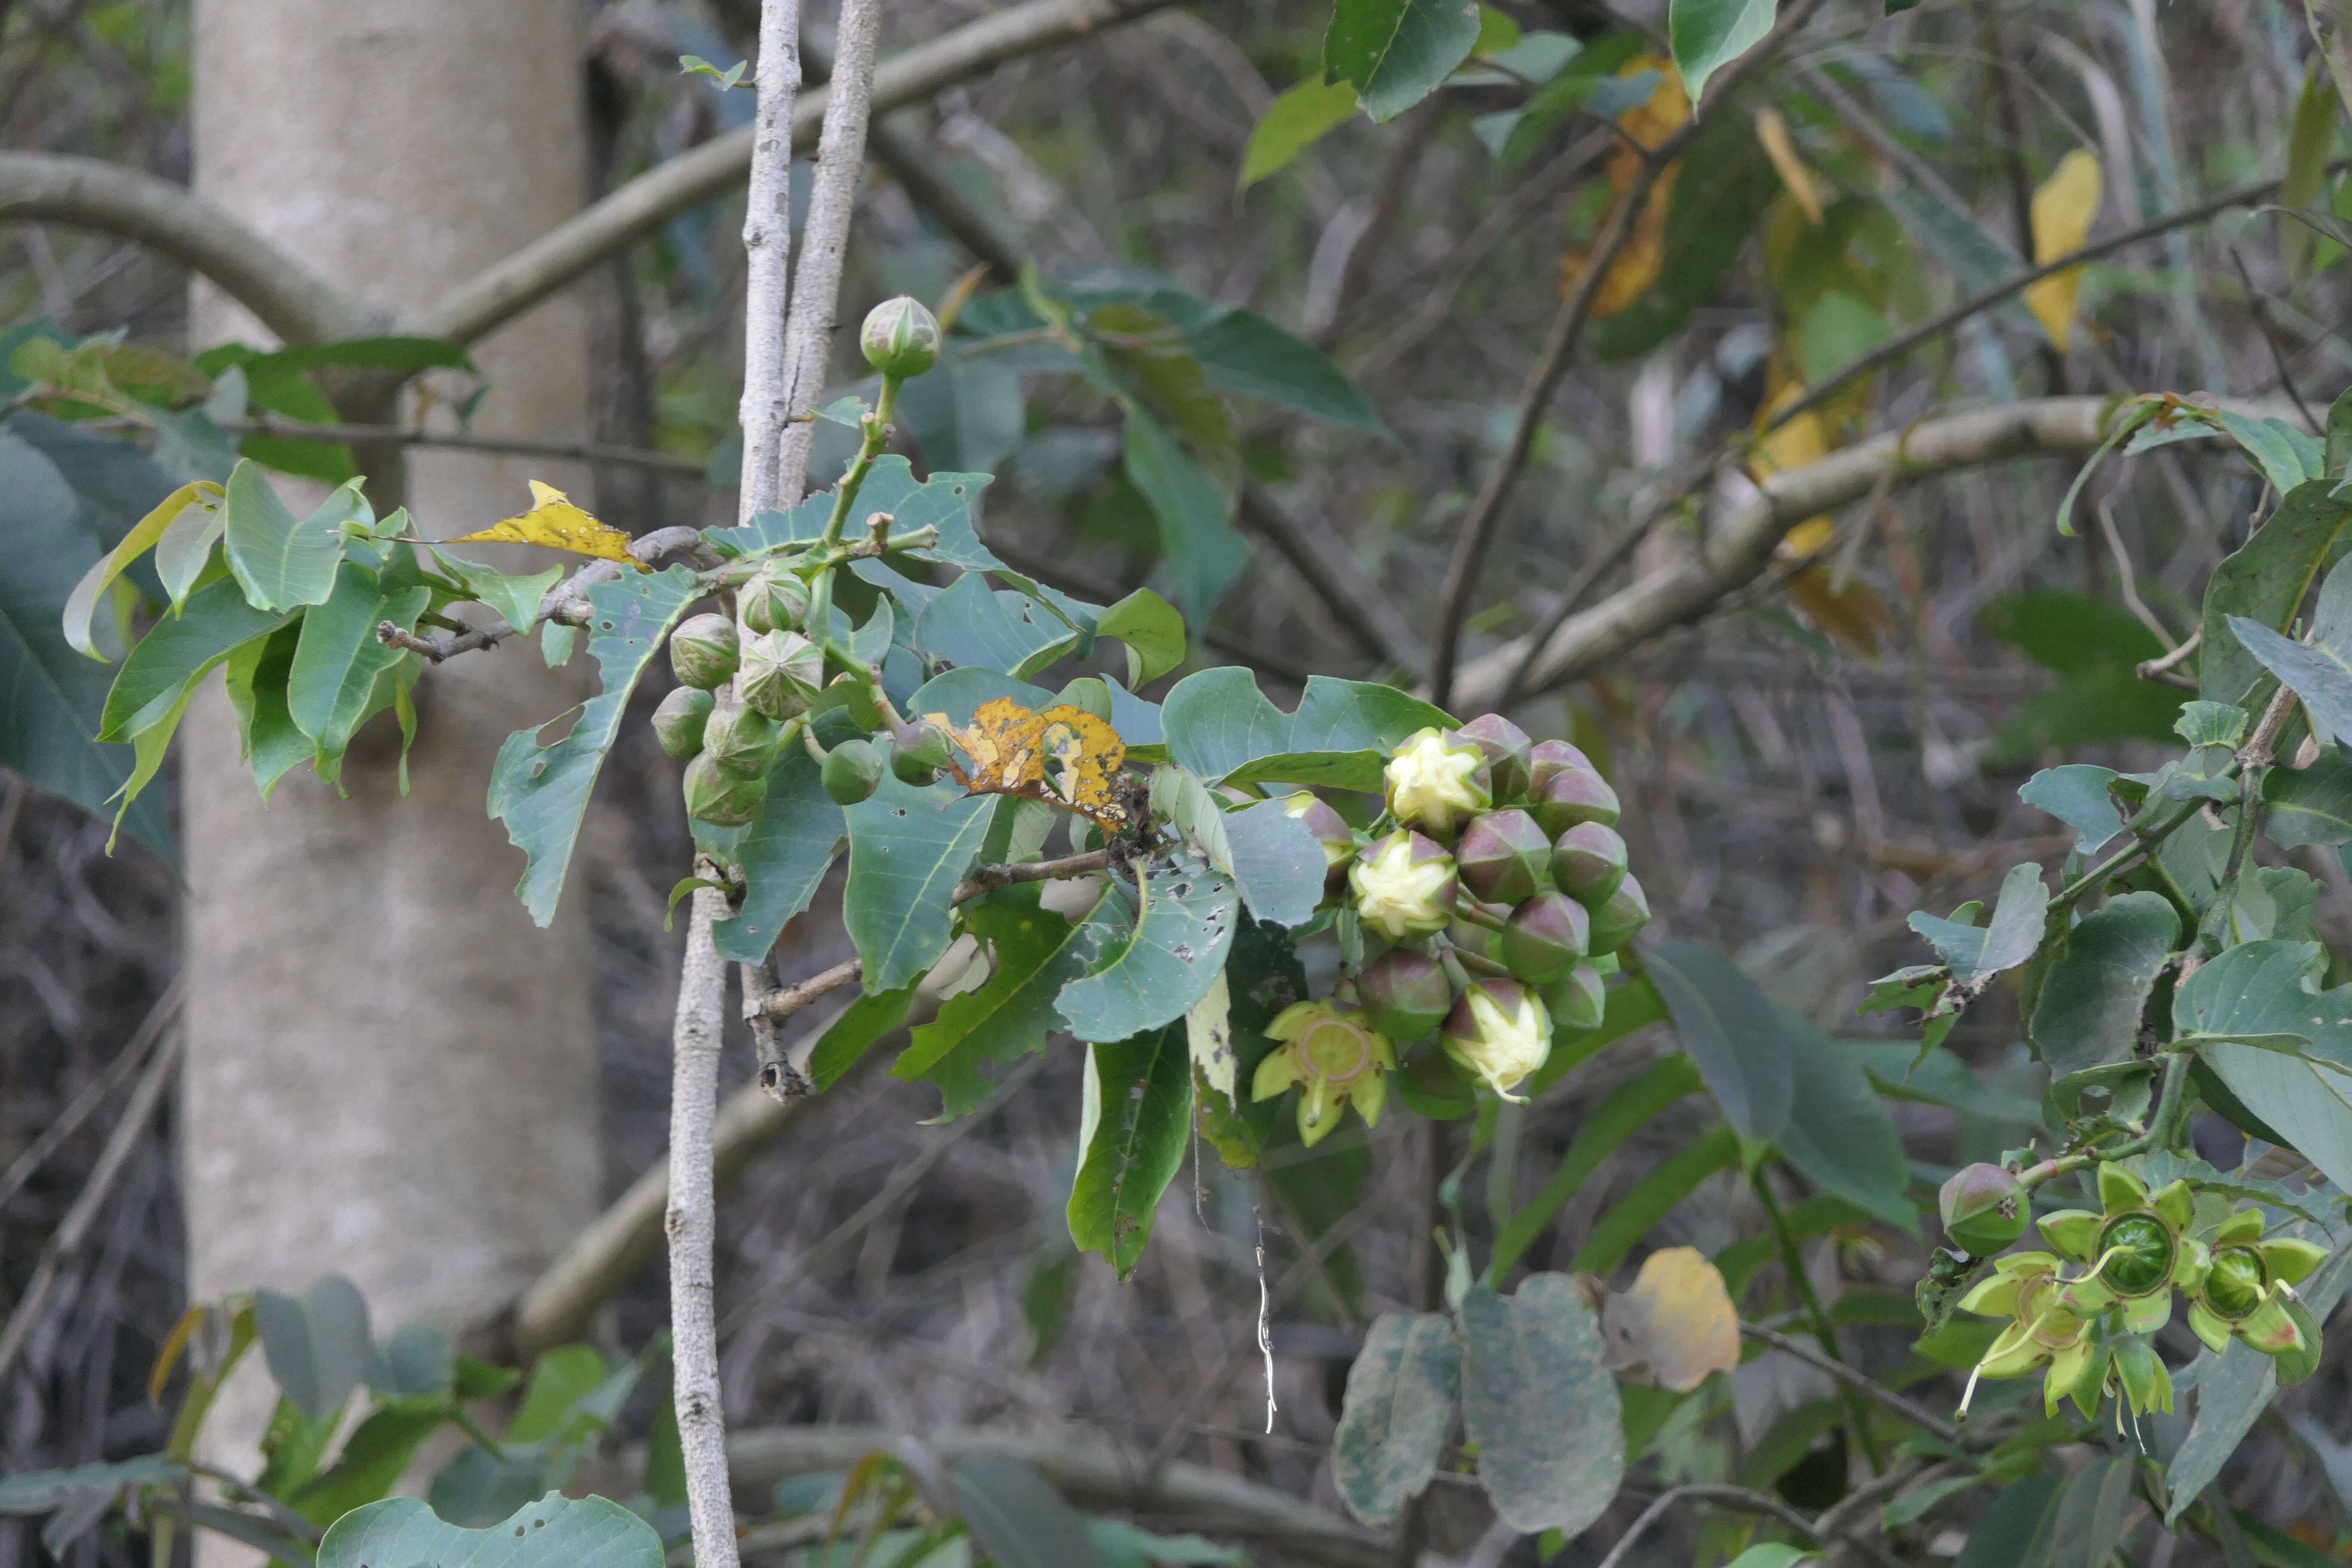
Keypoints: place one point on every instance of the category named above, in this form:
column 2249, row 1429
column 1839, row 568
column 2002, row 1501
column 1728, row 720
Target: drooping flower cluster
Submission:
column 2092, row 1329
column 1491, row 896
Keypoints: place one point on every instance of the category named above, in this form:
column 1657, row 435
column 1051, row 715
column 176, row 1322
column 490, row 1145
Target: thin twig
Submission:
column 94, row 1094
column 1738, row 1498
column 2255, row 302
column 1918, row 1415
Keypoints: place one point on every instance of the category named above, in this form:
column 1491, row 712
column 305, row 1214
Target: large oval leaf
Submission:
column 556, row 1532
column 1539, row 1401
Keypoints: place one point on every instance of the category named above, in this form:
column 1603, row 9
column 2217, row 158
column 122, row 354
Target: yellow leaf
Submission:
column 2063, row 210
column 1676, row 1324
column 1065, row 756
column 1773, row 131
column 556, row 523
column 1638, row 262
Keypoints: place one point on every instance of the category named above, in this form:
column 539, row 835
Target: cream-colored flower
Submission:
column 1337, row 1057
column 1404, row 885
column 1436, row 783
column 1500, row 1032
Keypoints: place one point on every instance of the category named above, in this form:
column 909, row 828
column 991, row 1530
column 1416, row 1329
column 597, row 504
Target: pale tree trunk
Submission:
column 390, row 1074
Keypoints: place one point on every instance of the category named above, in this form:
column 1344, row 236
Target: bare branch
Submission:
column 291, row 300
column 1917, row 1414
column 643, row 206
column 767, row 256
column 1323, row 558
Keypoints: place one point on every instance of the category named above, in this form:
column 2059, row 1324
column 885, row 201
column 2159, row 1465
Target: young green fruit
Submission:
column 1548, row 937
column 1405, row 994
column 1503, row 858
column 900, row 338
column 703, row 650
column 679, row 719
column 852, row 772
column 1621, row 917
column 781, row 674
column 1984, row 1209
column 738, row 738
column 774, row 600
column 721, row 798
column 919, row 754
column 1588, row 863
column 1507, row 749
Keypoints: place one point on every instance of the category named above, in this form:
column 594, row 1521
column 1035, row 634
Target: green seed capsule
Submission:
column 1616, row 922
column 2237, row 1283
column 703, row 650
column 678, row 722
column 2143, row 1248
column 1984, row 1209
column 721, row 798
column 773, row 601
column 900, row 338
column 852, row 772
column 740, row 739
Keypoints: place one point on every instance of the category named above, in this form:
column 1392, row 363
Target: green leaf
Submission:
column 1392, row 1422
column 38, row 1491
column 1279, row 864
column 373, row 1459
column 861, row 1026
column 1771, row 1555
column 52, row 700
column 2266, row 992
column 540, row 793
column 1626, row 1110
column 1294, row 123
column 1245, row 354
column 966, row 411
column 2266, row 579
column 784, row 855
column 2004, row 1536
column 1837, row 329
column 516, row 599
column 283, row 561
column 1151, row 628
column 1038, row 952
column 1196, row 532
column 1123, row 1545
column 556, row 1532
column 316, row 1344
column 256, row 676
column 1397, row 52
column 81, row 605
column 2086, row 1525
column 163, row 669
column 2287, row 456
column 1019, row 1521
column 1977, row 954
column 1838, row 1133
column 972, row 624
column 1176, row 948
column 2076, row 794
column 943, row 501
column 1138, row 1112
column 1632, row 1004
column 2313, row 805
column 2320, row 675
column 2088, row 1011
column 337, row 659
column 1540, row 1404
column 1731, row 1032
column 1630, row 1217
column 908, row 847
column 1220, row 726
column 1708, row 35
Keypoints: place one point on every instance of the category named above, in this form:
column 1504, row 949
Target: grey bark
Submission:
column 390, row 1072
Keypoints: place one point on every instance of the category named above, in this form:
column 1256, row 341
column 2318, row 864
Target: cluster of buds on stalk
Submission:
column 2091, row 1328
column 749, row 682
column 1493, row 897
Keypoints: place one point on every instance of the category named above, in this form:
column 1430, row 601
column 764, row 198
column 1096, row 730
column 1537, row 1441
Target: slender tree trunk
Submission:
column 390, row 1074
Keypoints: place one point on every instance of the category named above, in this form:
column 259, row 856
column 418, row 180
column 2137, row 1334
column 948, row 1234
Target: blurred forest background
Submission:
column 1830, row 751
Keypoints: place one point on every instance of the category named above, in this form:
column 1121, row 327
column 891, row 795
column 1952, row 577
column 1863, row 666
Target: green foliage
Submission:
column 1136, row 1118
column 1732, row 1034
column 1708, row 35
column 1294, row 123
column 1400, row 1402
column 578, row 1532
column 1185, row 925
column 1539, row 1402
column 1396, row 52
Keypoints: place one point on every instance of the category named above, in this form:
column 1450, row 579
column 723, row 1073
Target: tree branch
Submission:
column 1918, row 1415
column 292, row 300
column 638, row 208
column 767, row 254
column 692, row 1224
column 1324, row 559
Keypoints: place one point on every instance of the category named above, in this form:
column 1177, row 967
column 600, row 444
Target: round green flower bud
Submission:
column 1984, row 1209
column 1435, row 781
column 852, row 772
column 679, row 719
column 1503, row 857
column 2237, row 1284
column 703, row 650
column 1579, row 1001
column 1572, row 796
column 1546, row 758
column 1621, row 917
column 1588, row 863
column 1404, row 885
column 1405, row 994
column 781, row 674
column 919, row 754
column 900, row 338
column 774, row 600
column 1506, row 747
column 721, row 798
column 740, row 739
column 1546, row 939
column 2143, row 1248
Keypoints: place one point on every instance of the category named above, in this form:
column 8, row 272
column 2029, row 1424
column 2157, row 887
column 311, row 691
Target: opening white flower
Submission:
column 1404, row 885
column 1437, row 783
column 1337, row 1057
column 1499, row 1032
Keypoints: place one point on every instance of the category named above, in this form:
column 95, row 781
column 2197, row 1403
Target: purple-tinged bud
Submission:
column 1505, row 857
column 1579, row 1001
column 1546, row 758
column 1405, row 885
column 1405, row 994
column 1506, row 747
column 1332, row 832
column 1572, row 796
column 1617, row 920
column 1984, row 1209
column 918, row 752
column 1588, row 862
column 1548, row 937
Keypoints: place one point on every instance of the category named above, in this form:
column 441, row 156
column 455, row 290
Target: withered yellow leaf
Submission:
column 1773, row 132
column 1082, row 753
column 554, row 521
column 1065, row 756
column 2063, row 210
column 1676, row 1324
column 1638, row 262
